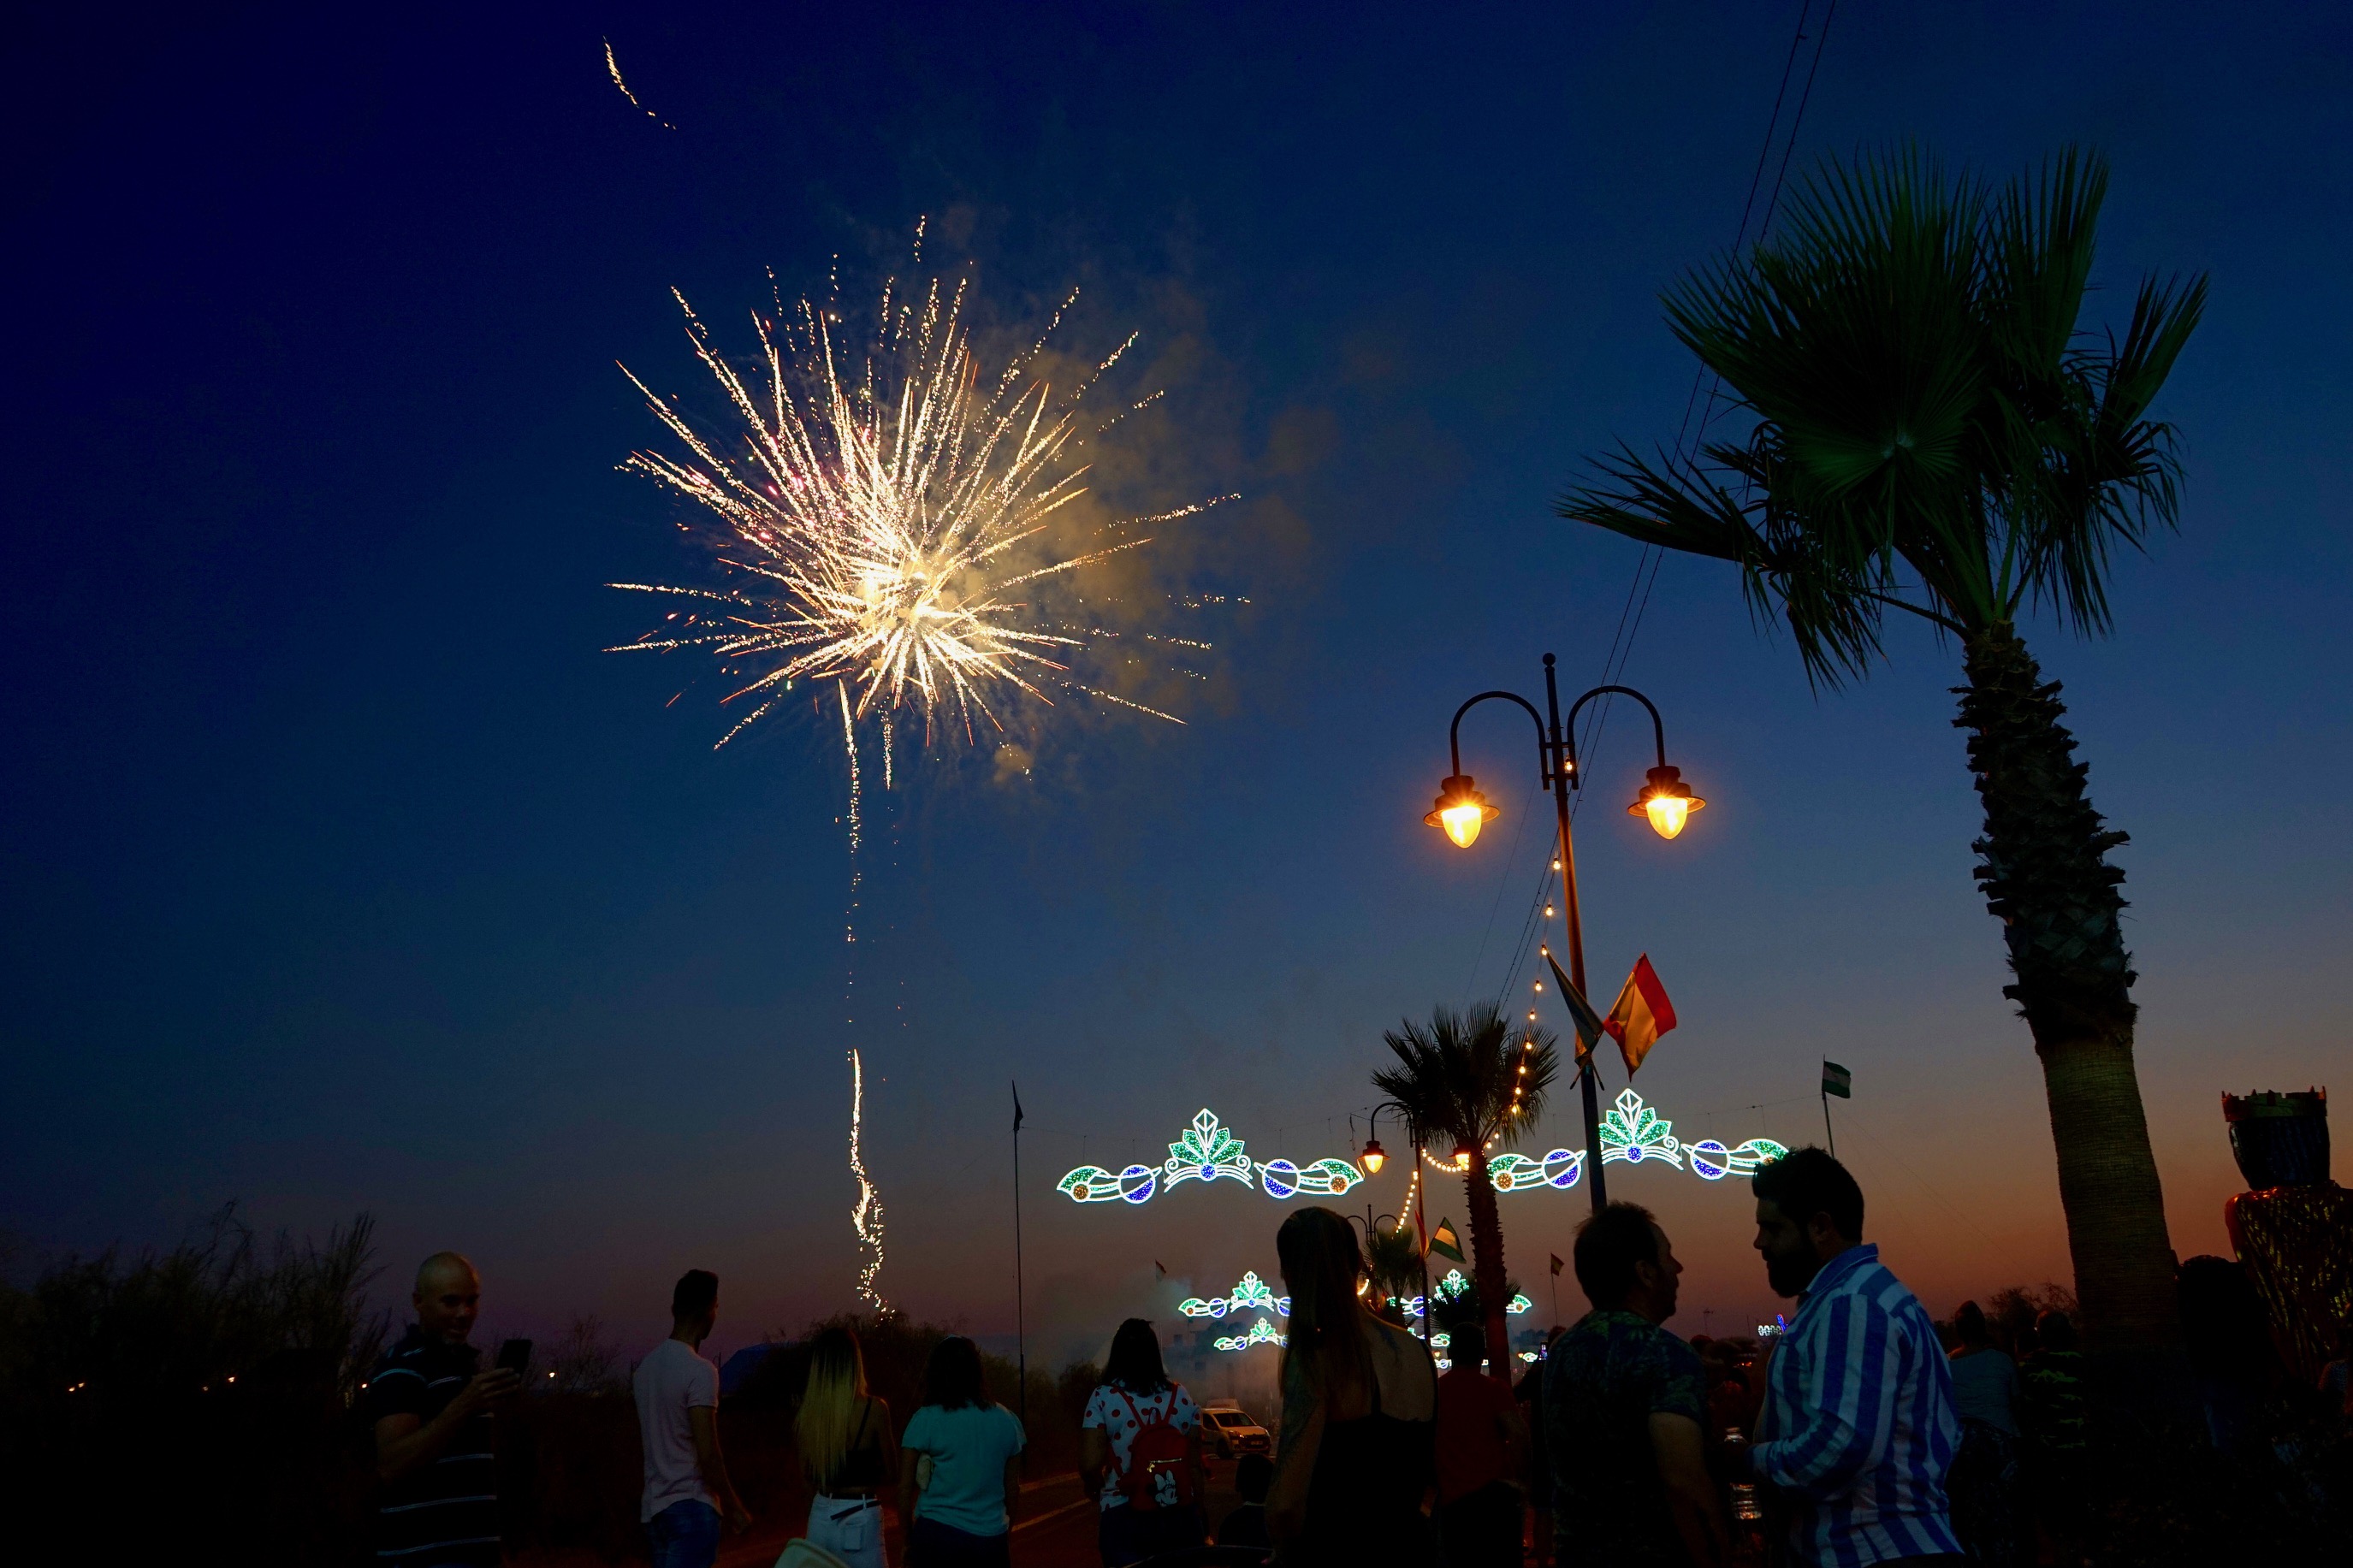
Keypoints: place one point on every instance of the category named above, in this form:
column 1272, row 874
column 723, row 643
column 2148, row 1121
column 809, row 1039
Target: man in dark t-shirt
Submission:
column 432, row 1415
column 1623, row 1404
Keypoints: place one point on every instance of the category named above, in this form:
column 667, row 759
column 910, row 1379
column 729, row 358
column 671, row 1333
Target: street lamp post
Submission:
column 1462, row 811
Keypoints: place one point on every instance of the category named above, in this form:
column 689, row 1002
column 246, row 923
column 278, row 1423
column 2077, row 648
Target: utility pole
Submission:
column 1020, row 1307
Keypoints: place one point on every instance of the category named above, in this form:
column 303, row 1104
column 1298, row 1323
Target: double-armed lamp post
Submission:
column 1462, row 811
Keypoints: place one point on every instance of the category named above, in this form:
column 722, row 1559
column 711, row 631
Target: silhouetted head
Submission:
column 1253, row 1476
column 1809, row 1210
column 2055, row 1331
column 1969, row 1326
column 449, row 1298
column 952, row 1378
column 1134, row 1362
column 694, row 1300
column 1625, row 1263
column 1466, row 1347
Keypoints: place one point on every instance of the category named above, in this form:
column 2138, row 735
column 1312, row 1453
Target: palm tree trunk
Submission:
column 1487, row 1260
column 2043, row 868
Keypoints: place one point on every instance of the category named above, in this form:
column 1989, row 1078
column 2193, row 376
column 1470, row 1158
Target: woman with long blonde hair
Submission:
column 1358, row 1453
column 847, row 1448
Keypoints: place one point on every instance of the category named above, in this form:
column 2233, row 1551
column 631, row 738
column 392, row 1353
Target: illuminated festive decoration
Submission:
column 1208, row 1152
column 1260, row 1333
column 1561, row 1168
column 1446, row 1290
column 1631, row 1133
column 1252, row 1292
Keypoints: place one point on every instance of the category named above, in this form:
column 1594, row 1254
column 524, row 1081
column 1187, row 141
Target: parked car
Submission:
column 1233, row 1432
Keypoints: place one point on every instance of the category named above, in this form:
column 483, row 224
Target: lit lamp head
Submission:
column 1460, row 810
column 1373, row 1157
column 1667, row 801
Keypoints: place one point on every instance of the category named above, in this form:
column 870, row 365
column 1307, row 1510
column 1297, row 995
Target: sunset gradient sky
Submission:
column 340, row 871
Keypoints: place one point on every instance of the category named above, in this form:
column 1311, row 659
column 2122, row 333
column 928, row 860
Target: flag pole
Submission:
column 1828, row 1131
column 1020, row 1307
column 1421, row 1223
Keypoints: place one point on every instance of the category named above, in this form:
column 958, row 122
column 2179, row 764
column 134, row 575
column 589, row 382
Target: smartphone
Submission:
column 514, row 1356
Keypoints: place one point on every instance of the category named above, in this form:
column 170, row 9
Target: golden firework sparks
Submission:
column 885, row 513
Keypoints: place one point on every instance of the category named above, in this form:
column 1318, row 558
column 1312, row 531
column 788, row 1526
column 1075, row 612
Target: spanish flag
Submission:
column 1641, row 1016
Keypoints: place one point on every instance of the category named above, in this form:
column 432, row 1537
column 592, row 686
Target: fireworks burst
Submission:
column 885, row 517
column 885, row 525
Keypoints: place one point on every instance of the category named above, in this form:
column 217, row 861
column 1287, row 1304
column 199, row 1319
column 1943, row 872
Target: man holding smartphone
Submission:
column 433, row 1413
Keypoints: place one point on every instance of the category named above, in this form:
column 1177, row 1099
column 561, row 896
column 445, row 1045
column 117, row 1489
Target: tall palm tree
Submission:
column 1464, row 1082
column 1932, row 432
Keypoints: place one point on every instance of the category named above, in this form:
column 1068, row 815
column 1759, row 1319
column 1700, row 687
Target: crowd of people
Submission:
column 1861, row 1434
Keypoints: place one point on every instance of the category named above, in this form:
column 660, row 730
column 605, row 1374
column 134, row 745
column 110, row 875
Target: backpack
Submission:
column 1159, row 1461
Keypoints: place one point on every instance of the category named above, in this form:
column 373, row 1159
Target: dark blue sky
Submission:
column 340, row 870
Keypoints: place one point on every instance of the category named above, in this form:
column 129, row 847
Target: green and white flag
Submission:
column 1837, row 1080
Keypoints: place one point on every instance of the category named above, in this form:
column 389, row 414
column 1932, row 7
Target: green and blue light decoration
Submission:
column 1631, row 1133
column 1261, row 1333
column 1250, row 1293
column 1453, row 1285
column 1208, row 1152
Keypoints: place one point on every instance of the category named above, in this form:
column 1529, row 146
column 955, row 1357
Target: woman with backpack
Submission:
column 847, row 1448
column 1140, row 1450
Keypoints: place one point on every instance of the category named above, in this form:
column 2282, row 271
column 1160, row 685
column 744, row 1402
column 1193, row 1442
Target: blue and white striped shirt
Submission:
column 1860, row 1427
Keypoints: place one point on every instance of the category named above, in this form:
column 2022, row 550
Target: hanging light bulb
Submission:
column 1462, row 810
column 1667, row 801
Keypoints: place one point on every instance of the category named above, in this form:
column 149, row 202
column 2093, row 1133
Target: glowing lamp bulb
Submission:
column 1667, row 801
column 1460, row 810
column 1373, row 1157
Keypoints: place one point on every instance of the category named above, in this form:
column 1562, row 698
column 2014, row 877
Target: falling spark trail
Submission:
column 614, row 66
column 865, row 1214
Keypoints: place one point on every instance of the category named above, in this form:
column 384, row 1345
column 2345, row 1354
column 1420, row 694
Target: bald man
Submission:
column 434, row 1414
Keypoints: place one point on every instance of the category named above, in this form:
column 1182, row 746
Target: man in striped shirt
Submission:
column 431, row 1411
column 1859, row 1426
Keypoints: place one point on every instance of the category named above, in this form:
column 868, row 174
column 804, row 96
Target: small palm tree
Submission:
column 1932, row 432
column 1463, row 1083
column 1393, row 1263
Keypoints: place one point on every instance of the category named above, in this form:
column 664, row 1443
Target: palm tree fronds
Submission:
column 1922, row 397
column 1458, row 1080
